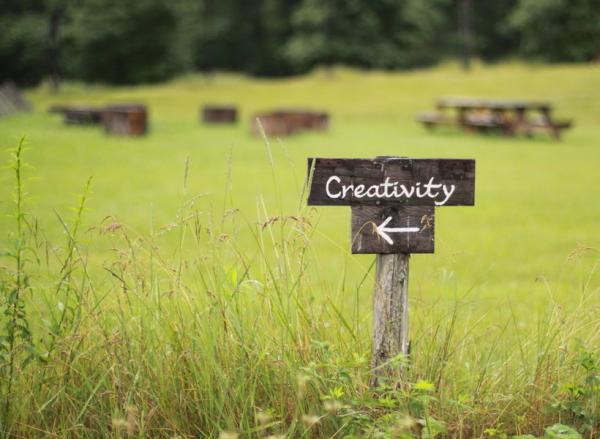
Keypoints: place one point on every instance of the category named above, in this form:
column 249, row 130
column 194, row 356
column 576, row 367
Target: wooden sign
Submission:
column 405, row 229
column 392, row 181
column 393, row 201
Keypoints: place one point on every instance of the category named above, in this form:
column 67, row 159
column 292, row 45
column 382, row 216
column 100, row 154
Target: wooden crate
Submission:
column 287, row 121
column 82, row 115
column 320, row 121
column 125, row 119
column 219, row 114
column 274, row 124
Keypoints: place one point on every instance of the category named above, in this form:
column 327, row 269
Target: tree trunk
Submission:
column 53, row 52
column 464, row 14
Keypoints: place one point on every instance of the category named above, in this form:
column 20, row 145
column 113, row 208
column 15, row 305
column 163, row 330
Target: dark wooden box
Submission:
column 219, row 114
column 82, row 115
column 284, row 122
column 125, row 119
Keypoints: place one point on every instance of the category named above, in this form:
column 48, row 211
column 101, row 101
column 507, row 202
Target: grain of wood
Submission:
column 366, row 238
column 458, row 173
column 390, row 315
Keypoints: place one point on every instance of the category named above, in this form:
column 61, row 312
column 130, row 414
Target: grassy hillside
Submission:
column 195, row 293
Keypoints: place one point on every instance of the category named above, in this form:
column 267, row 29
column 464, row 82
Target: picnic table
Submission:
column 510, row 117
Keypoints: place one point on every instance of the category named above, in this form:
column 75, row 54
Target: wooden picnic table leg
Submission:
column 547, row 119
column 462, row 118
column 500, row 119
column 520, row 122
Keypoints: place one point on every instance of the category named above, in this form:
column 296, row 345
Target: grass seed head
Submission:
column 263, row 417
column 119, row 424
column 332, row 406
column 405, row 423
column 310, row 420
column 131, row 422
column 302, row 381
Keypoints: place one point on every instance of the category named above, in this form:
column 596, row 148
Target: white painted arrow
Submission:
column 383, row 231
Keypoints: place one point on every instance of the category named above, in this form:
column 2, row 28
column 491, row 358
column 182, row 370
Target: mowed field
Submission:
column 205, row 294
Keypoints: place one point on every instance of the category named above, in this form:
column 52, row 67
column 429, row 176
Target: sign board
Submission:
column 405, row 229
column 392, row 198
column 392, row 181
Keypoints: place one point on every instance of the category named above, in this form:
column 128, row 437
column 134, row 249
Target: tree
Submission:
column 428, row 28
column 559, row 30
column 122, row 42
column 243, row 36
column 493, row 37
column 376, row 33
column 23, row 43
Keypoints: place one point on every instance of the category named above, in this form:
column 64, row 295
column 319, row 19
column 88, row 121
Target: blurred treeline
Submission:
column 135, row 41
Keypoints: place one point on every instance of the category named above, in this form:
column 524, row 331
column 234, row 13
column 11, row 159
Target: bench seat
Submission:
column 431, row 118
column 561, row 124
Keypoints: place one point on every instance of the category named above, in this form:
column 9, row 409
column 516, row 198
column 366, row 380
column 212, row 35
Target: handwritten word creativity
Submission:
column 335, row 188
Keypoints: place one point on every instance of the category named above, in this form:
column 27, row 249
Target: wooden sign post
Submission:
column 393, row 202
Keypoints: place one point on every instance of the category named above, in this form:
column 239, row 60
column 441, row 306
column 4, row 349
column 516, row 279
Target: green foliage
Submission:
column 22, row 45
column 556, row 431
column 425, row 31
column 126, row 42
column 382, row 33
column 121, row 42
column 559, row 431
column 559, row 30
column 242, row 36
column 16, row 343
column 582, row 397
column 308, row 45
column 494, row 37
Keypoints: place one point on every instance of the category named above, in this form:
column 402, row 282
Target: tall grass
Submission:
column 213, row 339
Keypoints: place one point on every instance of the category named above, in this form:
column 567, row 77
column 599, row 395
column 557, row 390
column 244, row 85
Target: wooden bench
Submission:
column 430, row 119
column 287, row 121
column 506, row 116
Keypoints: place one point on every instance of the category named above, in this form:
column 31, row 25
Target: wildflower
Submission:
column 424, row 386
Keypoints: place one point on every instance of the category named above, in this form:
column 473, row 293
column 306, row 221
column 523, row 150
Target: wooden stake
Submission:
column 390, row 313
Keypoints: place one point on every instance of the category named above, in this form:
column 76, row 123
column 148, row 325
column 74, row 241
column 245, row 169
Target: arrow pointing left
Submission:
column 383, row 231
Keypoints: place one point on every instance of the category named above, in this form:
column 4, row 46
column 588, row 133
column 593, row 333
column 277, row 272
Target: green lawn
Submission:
column 500, row 313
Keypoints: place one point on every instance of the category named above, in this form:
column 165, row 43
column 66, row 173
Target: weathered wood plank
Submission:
column 405, row 229
column 495, row 104
column 392, row 182
column 390, row 315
